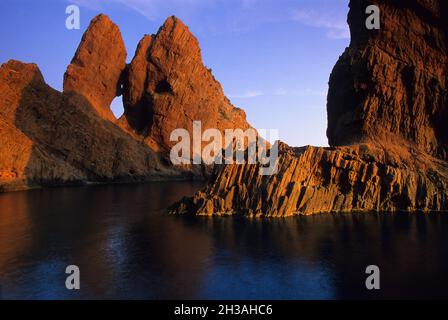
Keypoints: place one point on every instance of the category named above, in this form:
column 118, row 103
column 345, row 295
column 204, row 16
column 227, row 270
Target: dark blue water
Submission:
column 126, row 246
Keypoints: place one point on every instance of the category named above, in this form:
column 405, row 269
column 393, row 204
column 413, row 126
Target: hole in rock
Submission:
column 117, row 107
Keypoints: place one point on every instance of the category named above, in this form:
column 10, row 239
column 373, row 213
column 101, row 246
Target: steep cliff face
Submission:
column 391, row 83
column 97, row 66
column 387, row 103
column 168, row 87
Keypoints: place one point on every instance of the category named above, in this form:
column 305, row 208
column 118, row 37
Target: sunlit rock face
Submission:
column 311, row 180
column 97, row 66
column 167, row 87
column 387, row 125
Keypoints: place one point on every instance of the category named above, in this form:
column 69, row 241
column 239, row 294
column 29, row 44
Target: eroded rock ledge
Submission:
column 320, row 180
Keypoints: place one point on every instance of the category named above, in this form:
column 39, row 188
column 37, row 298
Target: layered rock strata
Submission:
column 321, row 180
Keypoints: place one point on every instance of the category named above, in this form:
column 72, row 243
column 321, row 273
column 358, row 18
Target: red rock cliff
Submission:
column 391, row 84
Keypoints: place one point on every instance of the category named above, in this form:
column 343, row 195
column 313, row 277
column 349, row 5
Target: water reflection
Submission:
column 127, row 247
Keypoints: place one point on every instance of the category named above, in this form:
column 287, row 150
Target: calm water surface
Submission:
column 126, row 246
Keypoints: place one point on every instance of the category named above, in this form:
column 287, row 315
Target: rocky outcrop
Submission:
column 319, row 180
column 53, row 138
column 167, row 87
column 49, row 138
column 387, row 114
column 393, row 81
column 96, row 69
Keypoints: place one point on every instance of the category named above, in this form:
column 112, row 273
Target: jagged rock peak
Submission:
column 167, row 87
column 97, row 66
column 178, row 37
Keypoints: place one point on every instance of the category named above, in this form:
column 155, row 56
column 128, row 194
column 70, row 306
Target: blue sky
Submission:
column 272, row 57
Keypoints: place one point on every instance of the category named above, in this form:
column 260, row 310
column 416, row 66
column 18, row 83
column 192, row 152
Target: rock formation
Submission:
column 320, row 180
column 97, row 67
column 387, row 114
column 167, row 87
column 53, row 138
column 391, row 83
column 49, row 138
